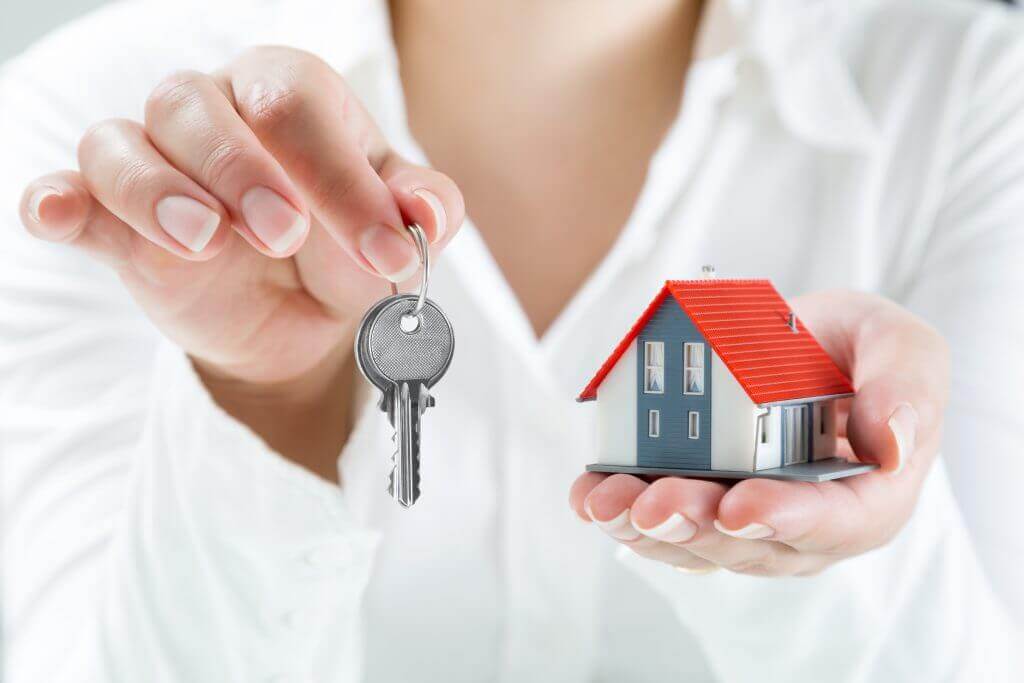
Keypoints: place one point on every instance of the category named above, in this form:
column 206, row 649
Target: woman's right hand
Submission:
column 252, row 215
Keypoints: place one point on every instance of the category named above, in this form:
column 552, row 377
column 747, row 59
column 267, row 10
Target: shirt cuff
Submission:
column 229, row 545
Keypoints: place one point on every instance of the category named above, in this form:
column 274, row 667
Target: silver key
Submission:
column 404, row 356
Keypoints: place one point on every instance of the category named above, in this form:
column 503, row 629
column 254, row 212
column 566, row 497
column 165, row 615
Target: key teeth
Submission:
column 391, row 483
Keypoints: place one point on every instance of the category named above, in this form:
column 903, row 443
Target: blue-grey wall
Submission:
column 673, row 448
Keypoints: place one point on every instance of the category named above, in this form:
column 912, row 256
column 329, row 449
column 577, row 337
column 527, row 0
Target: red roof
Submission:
column 746, row 323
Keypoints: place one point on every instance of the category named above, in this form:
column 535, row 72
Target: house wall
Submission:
column 616, row 413
column 734, row 429
column 824, row 445
column 770, row 454
column 673, row 448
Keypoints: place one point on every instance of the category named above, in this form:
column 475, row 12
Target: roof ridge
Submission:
column 714, row 280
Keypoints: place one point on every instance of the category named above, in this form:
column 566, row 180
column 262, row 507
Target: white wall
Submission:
column 616, row 419
column 824, row 445
column 23, row 23
column 732, row 421
column 770, row 454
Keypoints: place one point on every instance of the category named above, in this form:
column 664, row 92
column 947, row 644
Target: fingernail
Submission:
column 389, row 254
column 40, row 195
column 618, row 528
column 695, row 571
column 903, row 425
column 751, row 531
column 440, row 218
column 273, row 219
column 189, row 222
column 675, row 529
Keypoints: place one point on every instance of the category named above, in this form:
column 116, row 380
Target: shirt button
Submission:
column 298, row 620
column 748, row 71
column 335, row 557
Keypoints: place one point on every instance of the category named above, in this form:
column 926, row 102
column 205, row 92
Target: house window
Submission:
column 822, row 412
column 693, row 369
column 654, row 367
column 694, row 431
column 762, row 422
column 653, row 423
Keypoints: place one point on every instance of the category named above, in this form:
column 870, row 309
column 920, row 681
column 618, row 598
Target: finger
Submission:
column 123, row 171
column 303, row 113
column 579, row 491
column 425, row 197
column 685, row 510
column 842, row 517
column 899, row 366
column 677, row 510
column 194, row 124
column 55, row 207
column 608, row 505
column 58, row 208
column 673, row 555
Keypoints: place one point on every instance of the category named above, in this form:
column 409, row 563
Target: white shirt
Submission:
column 149, row 537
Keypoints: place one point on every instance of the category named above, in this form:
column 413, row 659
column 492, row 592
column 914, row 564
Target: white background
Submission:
column 23, row 22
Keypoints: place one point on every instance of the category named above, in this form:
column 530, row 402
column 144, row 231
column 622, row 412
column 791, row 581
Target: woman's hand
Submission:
column 900, row 368
column 252, row 215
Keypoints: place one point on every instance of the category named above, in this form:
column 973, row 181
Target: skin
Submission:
column 269, row 322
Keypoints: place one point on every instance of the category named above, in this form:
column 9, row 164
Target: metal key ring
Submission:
column 410, row 322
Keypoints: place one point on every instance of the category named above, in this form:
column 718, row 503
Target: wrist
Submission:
column 306, row 418
column 294, row 393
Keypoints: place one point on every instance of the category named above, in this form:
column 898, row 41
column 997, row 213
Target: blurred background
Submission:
column 24, row 22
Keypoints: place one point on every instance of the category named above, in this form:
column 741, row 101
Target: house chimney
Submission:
column 791, row 321
column 708, row 272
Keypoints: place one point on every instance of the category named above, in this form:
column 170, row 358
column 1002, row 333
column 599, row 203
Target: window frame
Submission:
column 693, row 425
column 687, row 368
column 649, row 366
column 653, row 424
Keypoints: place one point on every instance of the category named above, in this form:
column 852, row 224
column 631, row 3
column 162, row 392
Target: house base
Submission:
column 818, row 470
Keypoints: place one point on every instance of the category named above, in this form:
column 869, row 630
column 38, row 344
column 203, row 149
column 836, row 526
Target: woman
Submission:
column 176, row 507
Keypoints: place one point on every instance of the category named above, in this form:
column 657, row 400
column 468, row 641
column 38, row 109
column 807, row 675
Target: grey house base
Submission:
column 819, row 470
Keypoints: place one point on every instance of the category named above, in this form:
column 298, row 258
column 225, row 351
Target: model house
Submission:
column 720, row 378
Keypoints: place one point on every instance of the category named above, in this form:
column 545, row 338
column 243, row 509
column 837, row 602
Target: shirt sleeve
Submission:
column 147, row 536
column 944, row 600
column 918, row 609
column 969, row 286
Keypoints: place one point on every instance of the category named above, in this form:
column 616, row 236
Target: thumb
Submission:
column 426, row 197
column 900, row 368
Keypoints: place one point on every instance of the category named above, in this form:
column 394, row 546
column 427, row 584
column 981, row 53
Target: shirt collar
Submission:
column 791, row 48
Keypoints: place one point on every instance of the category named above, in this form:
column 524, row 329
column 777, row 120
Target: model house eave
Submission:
column 806, row 399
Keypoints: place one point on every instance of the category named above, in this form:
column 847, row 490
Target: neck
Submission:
column 535, row 48
column 546, row 114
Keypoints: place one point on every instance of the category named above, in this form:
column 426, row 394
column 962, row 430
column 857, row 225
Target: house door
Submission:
column 795, row 426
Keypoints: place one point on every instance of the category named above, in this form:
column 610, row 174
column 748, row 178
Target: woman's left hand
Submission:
column 900, row 368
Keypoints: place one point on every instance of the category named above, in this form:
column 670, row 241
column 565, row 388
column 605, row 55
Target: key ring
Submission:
column 410, row 322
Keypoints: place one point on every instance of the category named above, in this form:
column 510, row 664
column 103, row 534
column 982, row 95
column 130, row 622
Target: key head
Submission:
column 388, row 352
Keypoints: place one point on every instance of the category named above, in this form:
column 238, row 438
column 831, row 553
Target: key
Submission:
column 404, row 356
